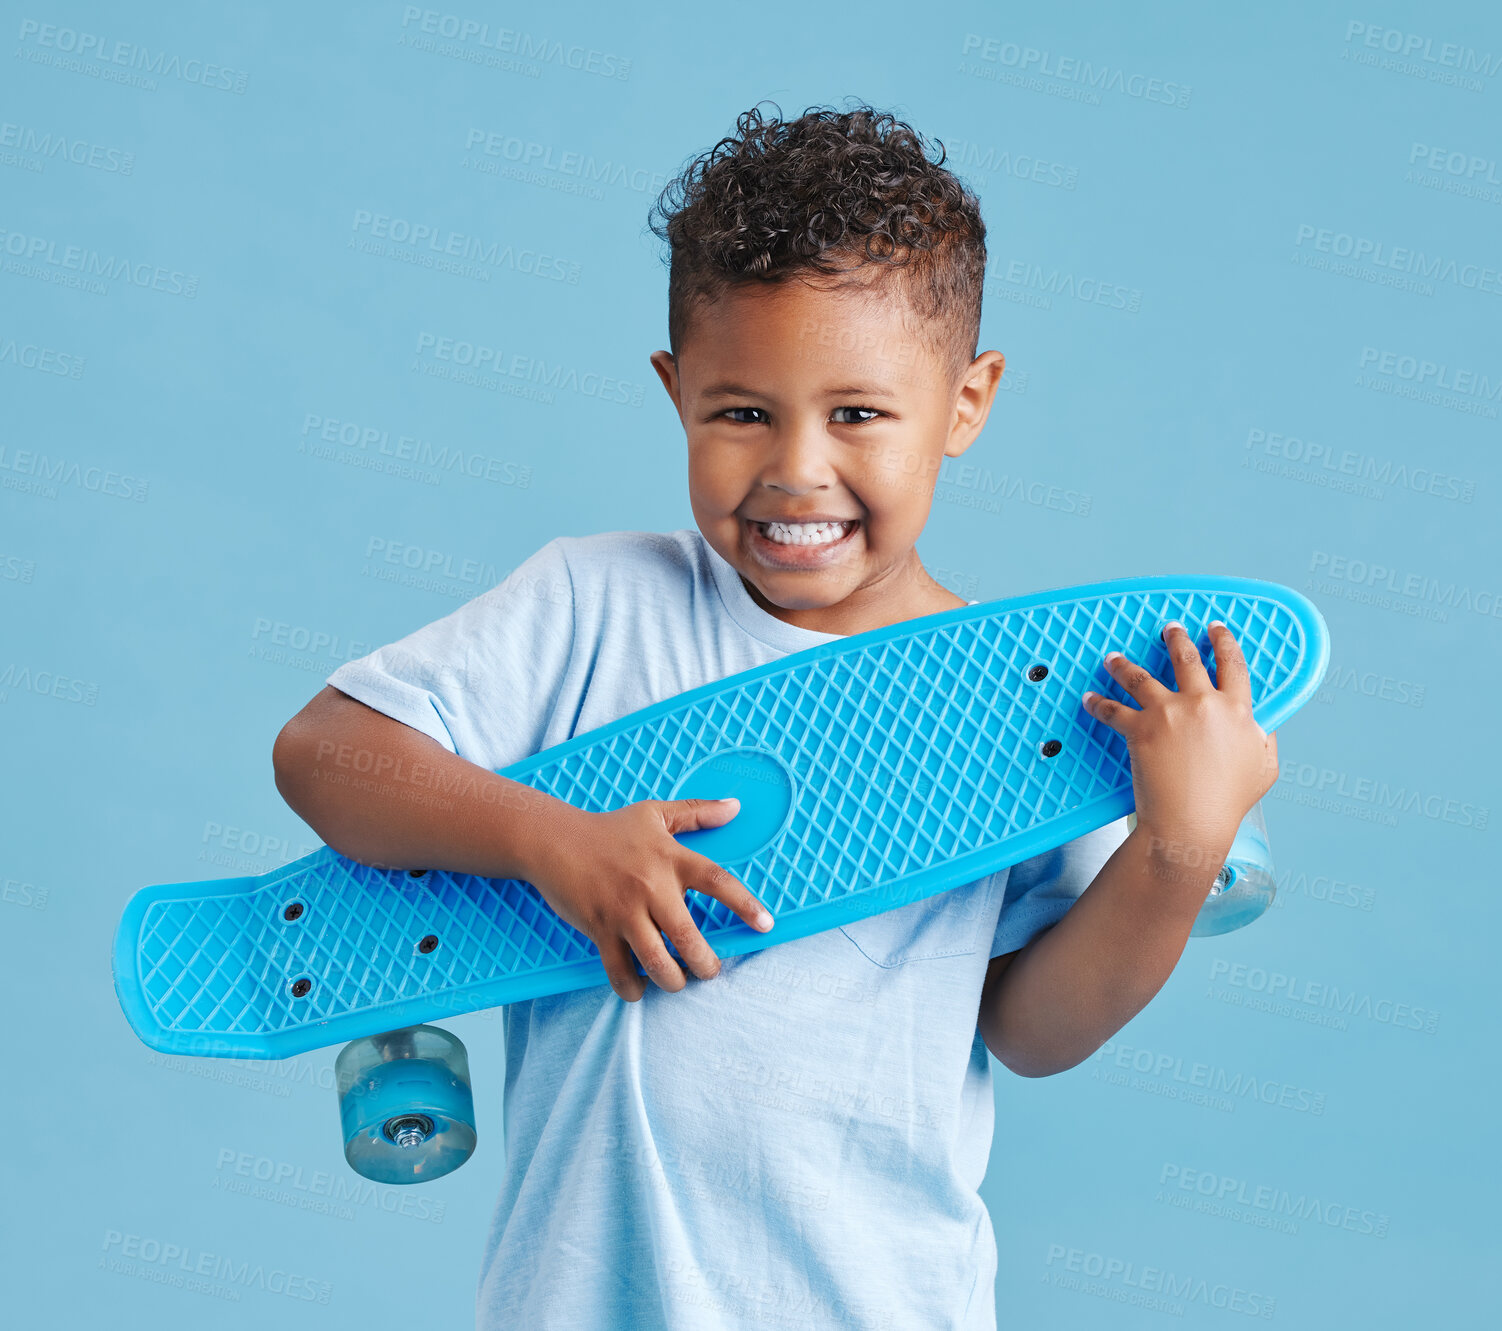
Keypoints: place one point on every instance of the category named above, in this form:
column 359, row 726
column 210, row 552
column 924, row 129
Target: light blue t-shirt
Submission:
column 798, row 1142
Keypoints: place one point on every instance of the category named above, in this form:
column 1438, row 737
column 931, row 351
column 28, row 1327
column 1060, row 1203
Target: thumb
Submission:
column 687, row 815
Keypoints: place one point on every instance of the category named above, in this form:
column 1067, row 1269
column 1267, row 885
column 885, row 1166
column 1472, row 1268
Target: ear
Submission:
column 973, row 400
column 666, row 366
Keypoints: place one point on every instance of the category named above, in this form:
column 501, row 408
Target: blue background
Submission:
column 1304, row 1115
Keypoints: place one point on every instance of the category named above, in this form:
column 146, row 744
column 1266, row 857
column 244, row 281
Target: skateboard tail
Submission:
column 128, row 956
column 241, row 1036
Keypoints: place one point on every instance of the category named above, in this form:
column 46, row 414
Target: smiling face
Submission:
column 807, row 403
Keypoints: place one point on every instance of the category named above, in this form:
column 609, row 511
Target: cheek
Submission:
column 716, row 477
column 712, row 490
column 892, row 497
column 895, row 482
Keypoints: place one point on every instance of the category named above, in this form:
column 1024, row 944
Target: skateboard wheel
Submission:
column 1244, row 887
column 405, row 1105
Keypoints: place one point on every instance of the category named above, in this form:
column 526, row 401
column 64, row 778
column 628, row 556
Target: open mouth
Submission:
column 799, row 545
column 807, row 533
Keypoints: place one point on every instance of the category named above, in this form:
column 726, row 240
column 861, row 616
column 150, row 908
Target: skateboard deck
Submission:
column 872, row 772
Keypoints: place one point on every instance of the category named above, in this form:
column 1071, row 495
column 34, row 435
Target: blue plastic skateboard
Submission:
column 872, row 772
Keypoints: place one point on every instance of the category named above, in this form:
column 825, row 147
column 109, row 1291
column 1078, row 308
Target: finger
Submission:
column 1134, row 679
column 689, row 815
column 704, row 875
column 655, row 959
column 679, row 926
column 1118, row 716
column 1231, row 674
column 1189, row 672
column 620, row 970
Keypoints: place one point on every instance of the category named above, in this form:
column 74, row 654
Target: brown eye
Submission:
column 733, row 410
column 871, row 414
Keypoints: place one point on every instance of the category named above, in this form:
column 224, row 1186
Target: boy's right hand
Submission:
column 619, row 878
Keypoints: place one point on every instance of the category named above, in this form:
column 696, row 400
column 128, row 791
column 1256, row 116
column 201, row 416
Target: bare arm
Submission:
column 1199, row 762
column 1051, row 1005
column 385, row 794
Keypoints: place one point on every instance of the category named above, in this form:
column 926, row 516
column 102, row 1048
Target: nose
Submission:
column 799, row 457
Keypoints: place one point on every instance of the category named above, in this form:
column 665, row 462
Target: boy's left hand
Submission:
column 1199, row 760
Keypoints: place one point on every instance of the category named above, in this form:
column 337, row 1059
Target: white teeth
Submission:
column 805, row 533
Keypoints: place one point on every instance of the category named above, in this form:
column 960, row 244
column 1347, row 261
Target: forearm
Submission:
column 1073, row 987
column 385, row 794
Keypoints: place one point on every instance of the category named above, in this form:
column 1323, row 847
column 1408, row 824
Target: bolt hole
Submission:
column 294, row 911
column 301, row 986
column 1038, row 672
column 428, row 943
column 1050, row 748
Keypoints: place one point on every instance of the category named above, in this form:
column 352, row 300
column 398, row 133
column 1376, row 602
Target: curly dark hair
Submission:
column 830, row 192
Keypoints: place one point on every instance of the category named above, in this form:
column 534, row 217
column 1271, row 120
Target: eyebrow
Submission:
column 727, row 389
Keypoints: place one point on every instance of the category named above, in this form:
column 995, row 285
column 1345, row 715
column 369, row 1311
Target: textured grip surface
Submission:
column 873, row 771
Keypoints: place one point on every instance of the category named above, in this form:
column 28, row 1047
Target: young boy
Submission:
column 794, row 1137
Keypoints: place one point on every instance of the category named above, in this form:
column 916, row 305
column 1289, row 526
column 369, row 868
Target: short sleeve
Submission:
column 1041, row 890
column 482, row 681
